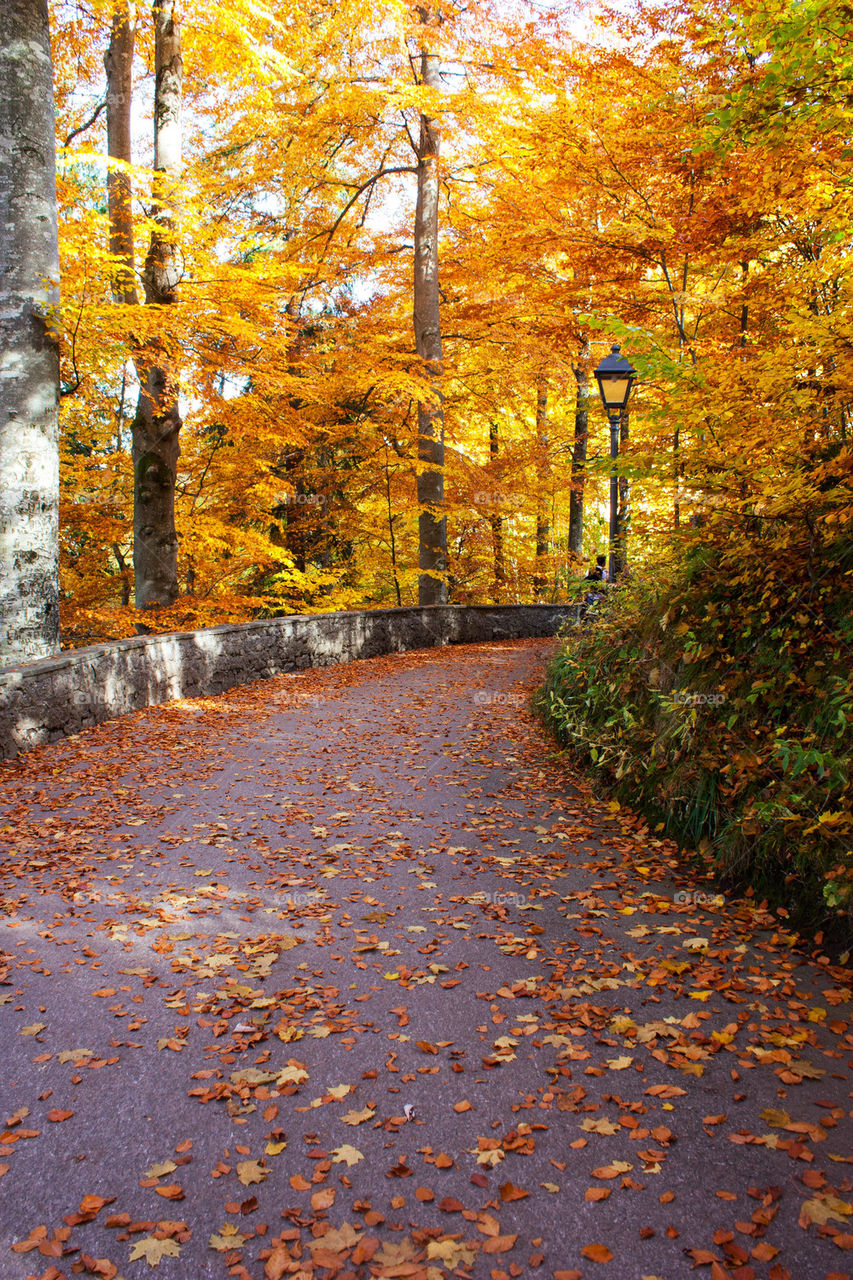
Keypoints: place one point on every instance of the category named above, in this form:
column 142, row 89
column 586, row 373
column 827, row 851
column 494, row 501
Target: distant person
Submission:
column 596, row 593
column 598, row 572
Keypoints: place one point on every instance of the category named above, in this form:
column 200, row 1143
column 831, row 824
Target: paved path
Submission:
column 339, row 975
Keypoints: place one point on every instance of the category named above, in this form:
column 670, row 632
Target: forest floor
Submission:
column 341, row 974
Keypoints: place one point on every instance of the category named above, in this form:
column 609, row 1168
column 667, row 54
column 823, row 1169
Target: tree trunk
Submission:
column 118, row 62
column 497, row 522
column 158, row 420
column 391, row 520
column 579, row 447
column 432, row 521
column 543, row 526
column 29, row 351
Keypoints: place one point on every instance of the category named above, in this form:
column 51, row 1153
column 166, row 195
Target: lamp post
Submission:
column 615, row 377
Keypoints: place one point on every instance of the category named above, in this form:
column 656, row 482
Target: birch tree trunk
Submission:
column 29, row 351
column 579, row 447
column 432, row 521
column 543, row 526
column 118, row 63
column 158, row 421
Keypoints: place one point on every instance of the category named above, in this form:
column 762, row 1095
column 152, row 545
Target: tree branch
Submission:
column 86, row 125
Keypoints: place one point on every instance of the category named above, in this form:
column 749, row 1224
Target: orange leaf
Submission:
column 499, row 1244
column 596, row 1193
column 511, row 1192
column 597, row 1252
column 171, row 1192
column 277, row 1263
column 94, row 1204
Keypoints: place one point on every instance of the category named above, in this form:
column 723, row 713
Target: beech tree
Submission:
column 29, row 354
column 118, row 63
column 158, row 422
column 331, row 460
column 432, row 521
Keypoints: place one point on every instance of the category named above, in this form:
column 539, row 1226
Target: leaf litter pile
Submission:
column 342, row 975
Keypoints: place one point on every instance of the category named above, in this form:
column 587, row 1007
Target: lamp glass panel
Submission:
column 614, row 390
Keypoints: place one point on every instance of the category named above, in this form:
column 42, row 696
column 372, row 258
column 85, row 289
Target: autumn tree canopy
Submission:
column 334, row 279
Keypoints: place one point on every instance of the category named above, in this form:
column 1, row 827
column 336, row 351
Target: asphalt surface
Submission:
column 343, row 974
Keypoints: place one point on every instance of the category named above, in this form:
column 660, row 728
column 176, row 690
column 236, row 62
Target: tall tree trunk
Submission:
column 158, row 420
column 497, row 522
column 391, row 521
column 432, row 521
column 118, row 62
column 579, row 448
column 543, row 526
column 29, row 351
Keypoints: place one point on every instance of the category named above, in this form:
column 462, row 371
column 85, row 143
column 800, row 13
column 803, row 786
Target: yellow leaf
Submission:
column 347, row 1154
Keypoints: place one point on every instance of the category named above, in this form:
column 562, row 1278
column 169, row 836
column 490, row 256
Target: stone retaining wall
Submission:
column 45, row 700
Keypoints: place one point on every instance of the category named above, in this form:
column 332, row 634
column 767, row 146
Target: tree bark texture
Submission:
column 118, row 62
column 29, row 351
column 158, row 421
column 579, row 448
column 543, row 525
column 497, row 522
column 432, row 521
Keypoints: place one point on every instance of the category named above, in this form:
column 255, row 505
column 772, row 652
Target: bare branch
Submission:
column 86, row 124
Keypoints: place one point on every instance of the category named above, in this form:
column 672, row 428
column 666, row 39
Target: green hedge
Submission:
column 718, row 700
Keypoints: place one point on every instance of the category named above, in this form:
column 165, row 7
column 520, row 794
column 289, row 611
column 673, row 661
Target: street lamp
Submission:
column 615, row 377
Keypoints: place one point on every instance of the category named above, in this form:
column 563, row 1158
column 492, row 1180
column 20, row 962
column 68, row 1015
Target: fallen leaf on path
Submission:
column 597, row 1252
column 347, row 1154
column 249, row 1171
column 154, row 1250
column 171, row 1191
column 359, row 1117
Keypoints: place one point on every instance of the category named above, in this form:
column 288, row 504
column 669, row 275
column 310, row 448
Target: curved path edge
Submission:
column 54, row 697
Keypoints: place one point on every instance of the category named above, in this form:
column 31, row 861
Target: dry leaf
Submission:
column 597, row 1252
column 347, row 1154
column 154, row 1250
column 359, row 1117
column 249, row 1171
